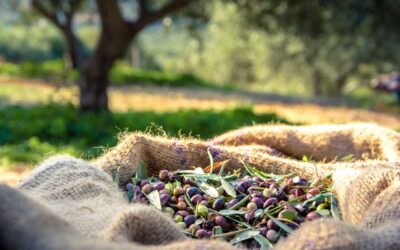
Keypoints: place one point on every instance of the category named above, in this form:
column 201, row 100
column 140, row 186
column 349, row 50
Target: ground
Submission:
column 161, row 99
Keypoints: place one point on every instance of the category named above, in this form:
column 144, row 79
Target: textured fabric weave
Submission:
column 367, row 188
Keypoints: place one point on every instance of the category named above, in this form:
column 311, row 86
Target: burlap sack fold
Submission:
column 368, row 188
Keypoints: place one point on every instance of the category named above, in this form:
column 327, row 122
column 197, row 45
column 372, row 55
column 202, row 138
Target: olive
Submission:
column 147, row 188
column 163, row 175
column 301, row 209
column 143, row 183
column 181, row 198
column 263, row 231
column 172, row 176
column 196, row 198
column 201, row 210
column 181, row 225
column 129, row 186
column 189, row 220
column 170, row 188
column 232, row 202
column 169, row 210
column 257, row 179
column 221, row 221
column 272, row 235
column 312, row 216
column 281, row 196
column 178, row 218
column 252, row 206
column 186, row 187
column 267, row 193
column 181, row 205
column 249, row 215
column 182, row 213
column 178, row 191
column 313, row 191
column 297, row 192
column 202, row 233
column 272, row 225
column 244, row 184
column 159, row 186
column 204, row 203
column 270, row 202
column 259, row 202
column 218, row 204
column 193, row 191
column 164, row 198
column 209, row 224
column 164, row 191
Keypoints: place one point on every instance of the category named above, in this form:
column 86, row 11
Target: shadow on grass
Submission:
column 28, row 134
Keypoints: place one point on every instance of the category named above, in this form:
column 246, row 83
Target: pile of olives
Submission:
column 256, row 209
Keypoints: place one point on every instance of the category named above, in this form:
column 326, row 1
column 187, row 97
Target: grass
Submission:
column 29, row 134
column 121, row 74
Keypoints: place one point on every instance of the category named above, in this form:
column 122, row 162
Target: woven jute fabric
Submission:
column 368, row 187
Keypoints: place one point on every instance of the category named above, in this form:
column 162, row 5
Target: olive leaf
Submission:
column 141, row 172
column 154, row 199
column 209, row 190
column 324, row 212
column 229, row 189
column 264, row 243
column 244, row 236
column 282, row 225
column 229, row 212
column 318, row 198
column 241, row 202
column 217, row 230
column 258, row 213
column 335, row 209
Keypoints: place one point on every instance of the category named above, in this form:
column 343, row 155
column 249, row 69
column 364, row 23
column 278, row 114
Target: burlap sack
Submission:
column 368, row 188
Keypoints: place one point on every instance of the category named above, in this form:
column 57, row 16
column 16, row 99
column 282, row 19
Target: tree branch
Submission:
column 44, row 12
column 149, row 17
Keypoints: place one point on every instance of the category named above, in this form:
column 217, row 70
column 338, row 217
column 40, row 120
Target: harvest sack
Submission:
column 84, row 197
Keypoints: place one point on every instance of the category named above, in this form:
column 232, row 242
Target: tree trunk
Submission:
column 94, row 81
column 317, row 84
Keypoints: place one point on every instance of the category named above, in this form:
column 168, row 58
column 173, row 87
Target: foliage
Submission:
column 26, row 133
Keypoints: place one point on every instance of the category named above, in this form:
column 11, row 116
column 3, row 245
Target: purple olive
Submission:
column 172, row 176
column 245, row 184
column 129, row 186
column 259, row 202
column 182, row 213
column 312, row 216
column 147, row 188
column 218, row 204
column 297, row 192
column 164, row 198
column 181, row 198
column 196, row 198
column 189, row 220
column 249, row 216
column 164, row 191
column 272, row 235
column 204, row 203
column 221, row 221
column 272, row 225
column 159, row 186
column 209, row 224
column 231, row 203
column 313, row 191
column 270, row 202
column 201, row 234
column 143, row 183
column 281, row 196
column 301, row 209
column 163, row 175
column 193, row 191
column 263, row 231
